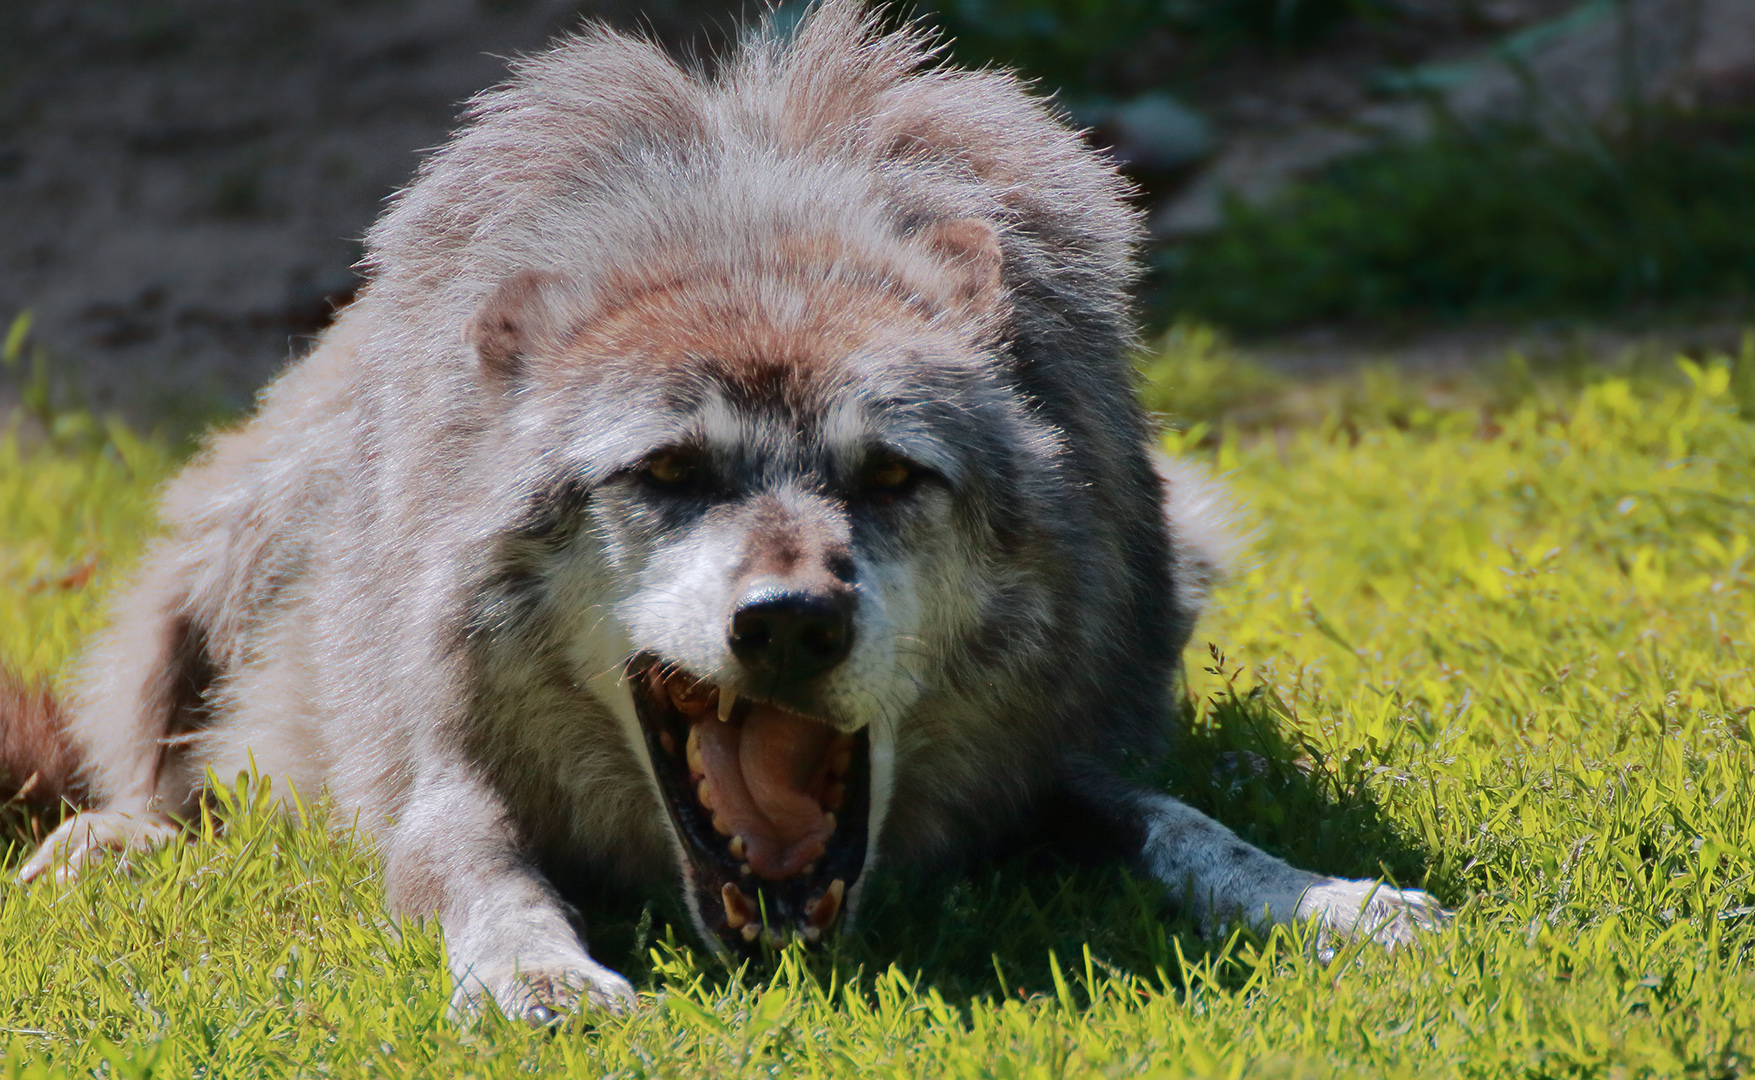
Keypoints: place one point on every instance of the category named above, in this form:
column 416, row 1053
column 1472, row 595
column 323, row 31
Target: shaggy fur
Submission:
column 38, row 764
column 796, row 393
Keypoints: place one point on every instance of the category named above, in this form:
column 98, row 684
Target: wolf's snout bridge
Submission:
column 792, row 635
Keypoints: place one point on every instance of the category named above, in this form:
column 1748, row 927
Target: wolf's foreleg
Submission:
column 1215, row 875
column 455, row 850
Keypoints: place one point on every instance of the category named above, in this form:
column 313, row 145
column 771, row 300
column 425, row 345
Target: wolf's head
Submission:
column 809, row 487
column 820, row 361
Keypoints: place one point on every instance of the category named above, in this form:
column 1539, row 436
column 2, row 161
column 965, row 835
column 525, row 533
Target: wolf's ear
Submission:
column 971, row 248
column 524, row 315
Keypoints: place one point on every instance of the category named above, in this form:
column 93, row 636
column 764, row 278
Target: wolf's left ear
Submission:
column 971, row 248
column 526, row 314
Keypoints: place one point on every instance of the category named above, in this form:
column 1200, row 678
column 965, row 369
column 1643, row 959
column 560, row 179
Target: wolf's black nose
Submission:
column 792, row 636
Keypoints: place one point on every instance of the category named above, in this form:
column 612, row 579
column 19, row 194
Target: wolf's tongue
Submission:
column 764, row 778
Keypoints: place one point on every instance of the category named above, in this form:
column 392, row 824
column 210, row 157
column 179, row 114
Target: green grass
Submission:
column 1501, row 222
column 1495, row 639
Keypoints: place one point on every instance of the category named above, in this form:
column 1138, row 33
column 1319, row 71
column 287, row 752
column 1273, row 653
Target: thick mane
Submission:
column 605, row 150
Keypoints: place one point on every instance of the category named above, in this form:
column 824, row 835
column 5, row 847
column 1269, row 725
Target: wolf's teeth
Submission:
column 687, row 695
column 811, row 934
column 737, row 847
column 721, row 826
column 727, row 702
column 694, row 751
column 704, row 794
column 668, row 741
column 830, row 820
column 822, row 911
column 750, row 931
column 744, row 870
column 835, row 796
column 737, row 906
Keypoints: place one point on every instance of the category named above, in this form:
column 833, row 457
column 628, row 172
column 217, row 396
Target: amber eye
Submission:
column 889, row 474
column 670, row 468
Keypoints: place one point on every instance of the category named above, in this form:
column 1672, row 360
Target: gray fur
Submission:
column 416, row 577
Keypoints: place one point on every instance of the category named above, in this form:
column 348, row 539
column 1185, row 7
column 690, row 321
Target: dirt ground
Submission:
column 183, row 183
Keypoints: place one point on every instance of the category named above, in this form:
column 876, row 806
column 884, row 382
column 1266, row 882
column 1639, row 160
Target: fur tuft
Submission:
column 1207, row 540
column 38, row 765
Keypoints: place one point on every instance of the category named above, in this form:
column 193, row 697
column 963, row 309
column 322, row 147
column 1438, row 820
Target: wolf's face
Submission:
column 797, row 526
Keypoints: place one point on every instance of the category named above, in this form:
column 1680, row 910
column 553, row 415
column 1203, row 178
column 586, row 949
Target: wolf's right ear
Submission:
column 526, row 314
column 971, row 251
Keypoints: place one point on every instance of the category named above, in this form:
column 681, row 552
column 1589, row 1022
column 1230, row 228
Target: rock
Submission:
column 1157, row 133
column 1566, row 75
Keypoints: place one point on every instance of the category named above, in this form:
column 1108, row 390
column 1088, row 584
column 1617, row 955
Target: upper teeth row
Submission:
column 695, row 697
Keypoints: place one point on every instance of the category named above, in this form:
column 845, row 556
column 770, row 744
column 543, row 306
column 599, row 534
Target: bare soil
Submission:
column 183, row 183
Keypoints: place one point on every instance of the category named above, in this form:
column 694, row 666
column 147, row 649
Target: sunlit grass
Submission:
column 1494, row 642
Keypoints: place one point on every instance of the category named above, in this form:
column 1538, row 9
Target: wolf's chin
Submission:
column 771, row 806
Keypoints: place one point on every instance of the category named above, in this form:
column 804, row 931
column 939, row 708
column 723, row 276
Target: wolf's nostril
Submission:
column 792, row 636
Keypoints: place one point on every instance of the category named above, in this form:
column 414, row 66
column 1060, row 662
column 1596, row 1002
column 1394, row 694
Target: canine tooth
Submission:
column 744, row 870
column 668, row 741
column 704, row 795
column 809, row 869
column 736, row 846
column 811, row 934
column 750, row 931
column 835, row 796
column 737, row 906
column 822, row 911
column 721, row 826
column 830, row 818
column 727, row 702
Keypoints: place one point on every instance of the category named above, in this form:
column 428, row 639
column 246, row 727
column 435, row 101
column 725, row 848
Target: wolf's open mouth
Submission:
column 772, row 805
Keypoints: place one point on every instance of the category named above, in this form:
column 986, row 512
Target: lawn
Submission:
column 1494, row 639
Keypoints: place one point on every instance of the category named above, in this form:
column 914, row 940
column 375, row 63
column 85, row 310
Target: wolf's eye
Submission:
column 887, row 477
column 670, row 468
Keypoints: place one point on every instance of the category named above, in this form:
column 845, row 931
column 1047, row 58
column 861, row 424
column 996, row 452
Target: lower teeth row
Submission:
column 819, row 914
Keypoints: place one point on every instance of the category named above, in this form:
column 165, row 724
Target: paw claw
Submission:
column 85, row 837
column 542, row 1016
column 1392, row 917
column 544, row 996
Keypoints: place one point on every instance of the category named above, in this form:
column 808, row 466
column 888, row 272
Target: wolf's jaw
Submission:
column 770, row 808
column 881, row 763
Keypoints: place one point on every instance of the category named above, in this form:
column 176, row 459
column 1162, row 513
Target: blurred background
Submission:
column 1328, row 182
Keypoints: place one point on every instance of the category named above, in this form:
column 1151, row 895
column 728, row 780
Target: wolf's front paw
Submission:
column 540, row 993
column 1388, row 915
column 84, row 837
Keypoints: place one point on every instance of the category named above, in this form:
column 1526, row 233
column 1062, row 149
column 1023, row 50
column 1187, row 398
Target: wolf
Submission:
column 726, row 481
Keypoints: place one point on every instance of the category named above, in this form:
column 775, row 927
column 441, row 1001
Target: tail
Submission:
column 1206, row 540
column 39, row 766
